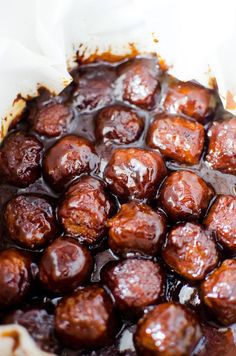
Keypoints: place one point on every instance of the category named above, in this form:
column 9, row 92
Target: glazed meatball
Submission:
column 15, row 277
column 94, row 89
column 85, row 209
column 138, row 82
column 190, row 251
column 30, row 221
column 185, row 196
column 64, row 266
column 118, row 124
column 221, row 219
column 219, row 292
column 136, row 228
column 85, row 319
column 177, row 138
column 222, row 146
column 51, row 120
column 190, row 99
column 69, row 157
column 40, row 325
column 135, row 173
column 20, row 159
column 135, row 284
column 168, row 330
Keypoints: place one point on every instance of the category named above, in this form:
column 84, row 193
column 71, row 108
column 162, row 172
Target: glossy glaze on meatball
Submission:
column 135, row 173
column 30, row 221
column 85, row 209
column 219, row 292
column 118, row 124
column 222, row 146
column 177, row 138
column 185, row 196
column 64, row 265
column 85, row 319
column 71, row 156
column 138, row 82
column 135, row 284
column 168, row 330
column 221, row 220
column 15, row 277
column 136, row 228
column 190, row 251
column 191, row 99
column 51, row 120
column 20, row 159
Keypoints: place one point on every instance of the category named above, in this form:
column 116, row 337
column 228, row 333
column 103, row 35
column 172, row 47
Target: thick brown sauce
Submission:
column 83, row 125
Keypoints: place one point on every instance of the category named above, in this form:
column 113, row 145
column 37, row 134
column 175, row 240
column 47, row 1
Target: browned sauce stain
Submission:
column 13, row 335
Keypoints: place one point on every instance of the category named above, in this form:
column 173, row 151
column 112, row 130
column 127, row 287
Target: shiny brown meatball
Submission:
column 94, row 89
column 221, row 220
column 69, row 157
column 219, row 292
column 135, row 173
column 20, row 159
column 177, row 138
column 118, row 124
column 85, row 319
column 190, row 99
column 15, row 277
column 30, row 221
column 64, row 266
column 136, row 228
column 222, row 146
column 85, row 209
column 138, row 82
column 168, row 330
column 135, row 284
column 185, row 196
column 190, row 251
column 52, row 120
column 40, row 325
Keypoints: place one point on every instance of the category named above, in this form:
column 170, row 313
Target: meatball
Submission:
column 30, row 221
column 138, row 82
column 64, row 266
column 168, row 330
column 15, row 277
column 221, row 219
column 177, row 138
column 69, row 157
column 118, row 124
column 85, row 319
column 85, row 209
column 51, row 120
column 185, row 196
column 94, row 89
column 40, row 325
column 222, row 146
column 136, row 228
column 135, row 173
column 190, row 99
column 190, row 251
column 135, row 284
column 20, row 159
column 219, row 292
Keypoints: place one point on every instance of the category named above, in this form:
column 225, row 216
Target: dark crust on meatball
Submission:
column 168, row 329
column 20, row 156
column 30, row 221
column 185, row 196
column 136, row 228
column 190, row 251
column 85, row 319
column 135, row 173
column 64, row 265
